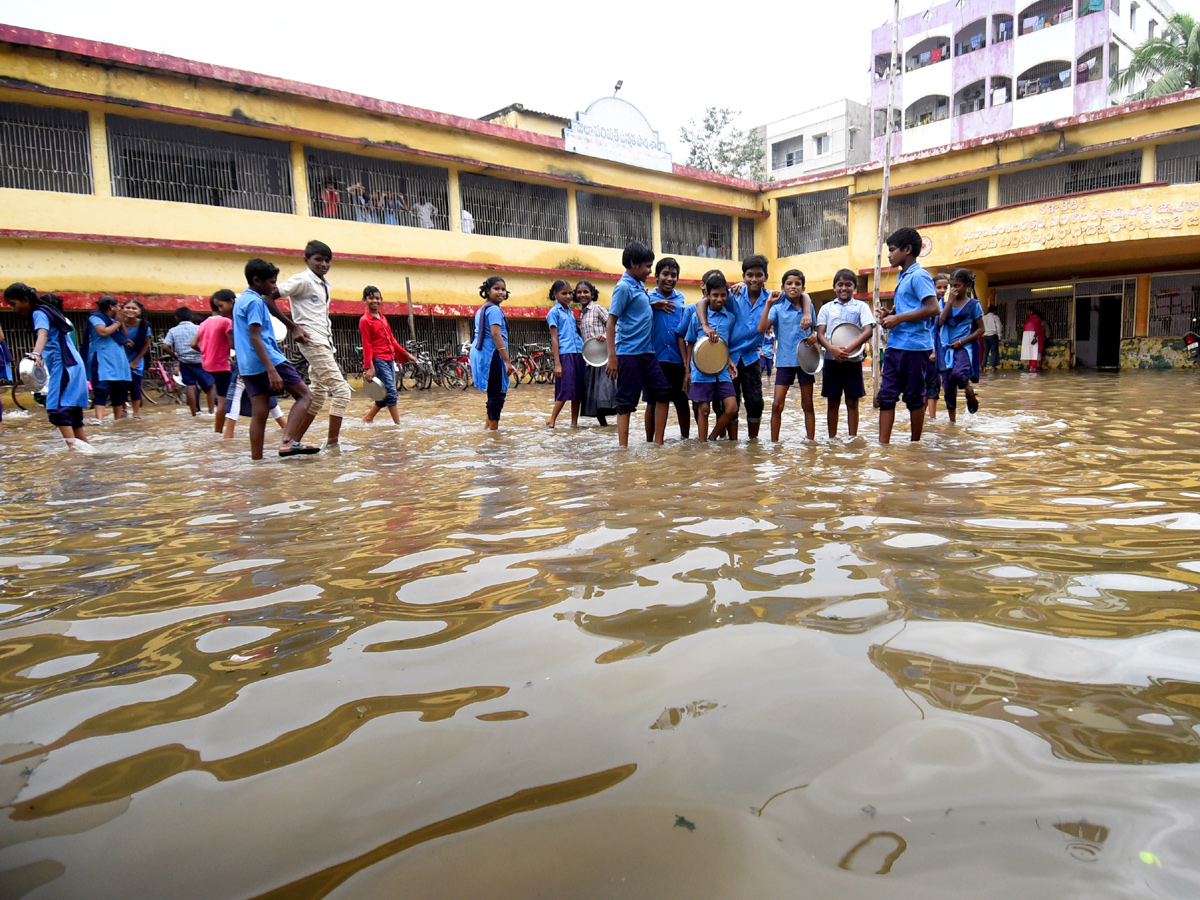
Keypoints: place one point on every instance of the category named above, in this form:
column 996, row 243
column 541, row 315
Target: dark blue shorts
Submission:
column 193, row 374
column 221, row 380
column 789, row 375
column 674, row 373
column 710, row 391
column 933, row 381
column 842, row 378
column 904, row 374
column 259, row 385
column 636, row 372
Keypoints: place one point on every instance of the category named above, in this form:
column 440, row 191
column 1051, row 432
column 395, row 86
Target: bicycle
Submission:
column 161, row 380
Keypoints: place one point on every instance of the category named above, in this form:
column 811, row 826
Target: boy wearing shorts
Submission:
column 191, row 366
column 910, row 336
column 704, row 390
column 841, row 375
column 213, row 339
column 670, row 309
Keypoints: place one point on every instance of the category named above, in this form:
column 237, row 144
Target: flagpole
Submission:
column 876, row 362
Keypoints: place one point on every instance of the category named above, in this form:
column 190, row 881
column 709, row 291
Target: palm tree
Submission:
column 1167, row 64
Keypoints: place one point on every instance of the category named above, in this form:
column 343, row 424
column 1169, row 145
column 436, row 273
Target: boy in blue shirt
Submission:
column 264, row 368
column 631, row 359
column 910, row 336
column 706, row 390
column 670, row 309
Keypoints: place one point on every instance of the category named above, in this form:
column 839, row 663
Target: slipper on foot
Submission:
column 973, row 404
column 298, row 449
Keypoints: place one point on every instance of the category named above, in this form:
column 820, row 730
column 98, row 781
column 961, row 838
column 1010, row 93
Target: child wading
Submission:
column 790, row 314
column 910, row 336
column 191, row 364
column 213, row 339
column 960, row 325
column 670, row 310
column 264, row 368
column 108, row 365
column 490, row 365
column 631, row 360
column 841, row 374
column 933, row 375
column 708, row 391
column 381, row 353
column 567, row 347
column 66, row 387
column 137, row 344
column 599, row 392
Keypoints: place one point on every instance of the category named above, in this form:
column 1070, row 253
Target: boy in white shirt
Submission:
column 991, row 340
column 840, row 374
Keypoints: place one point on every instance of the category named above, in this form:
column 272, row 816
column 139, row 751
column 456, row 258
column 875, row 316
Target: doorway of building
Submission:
column 1098, row 308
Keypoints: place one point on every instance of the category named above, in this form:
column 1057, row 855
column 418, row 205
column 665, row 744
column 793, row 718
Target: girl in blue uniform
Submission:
column 66, row 389
column 490, row 365
column 137, row 344
column 107, row 364
column 960, row 327
column 790, row 313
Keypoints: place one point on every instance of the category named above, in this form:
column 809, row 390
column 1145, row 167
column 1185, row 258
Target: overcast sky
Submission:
column 768, row 59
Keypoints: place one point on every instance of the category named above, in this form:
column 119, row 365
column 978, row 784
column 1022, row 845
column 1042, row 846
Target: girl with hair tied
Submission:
column 137, row 330
column 599, row 391
column 960, row 325
column 66, row 387
column 490, row 365
column 567, row 347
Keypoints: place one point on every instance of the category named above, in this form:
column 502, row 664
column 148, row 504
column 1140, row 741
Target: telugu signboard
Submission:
column 613, row 129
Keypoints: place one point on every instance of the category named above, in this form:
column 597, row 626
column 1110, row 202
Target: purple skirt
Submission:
column 569, row 387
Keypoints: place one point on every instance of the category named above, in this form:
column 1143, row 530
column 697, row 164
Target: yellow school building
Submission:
column 135, row 174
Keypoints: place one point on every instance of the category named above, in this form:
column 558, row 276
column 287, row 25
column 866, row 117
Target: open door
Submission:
column 1108, row 333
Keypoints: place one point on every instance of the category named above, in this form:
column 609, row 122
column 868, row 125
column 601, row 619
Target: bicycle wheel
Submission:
column 452, row 376
column 410, row 376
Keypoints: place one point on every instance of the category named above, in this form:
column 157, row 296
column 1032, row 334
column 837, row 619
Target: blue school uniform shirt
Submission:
column 788, row 333
column 635, row 319
column 665, row 327
column 108, row 352
column 483, row 348
column 958, row 326
column 746, row 342
column 139, row 337
column 569, row 340
column 723, row 323
column 61, row 357
column 913, row 286
column 251, row 309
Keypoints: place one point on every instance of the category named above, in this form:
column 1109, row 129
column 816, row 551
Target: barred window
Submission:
column 971, row 38
column 1174, row 304
column 1179, row 163
column 934, row 108
column 971, row 99
column 1002, row 28
column 1074, row 177
column 686, row 232
column 1055, row 306
column 383, row 191
column 1090, row 66
column 1044, row 78
column 606, row 221
column 746, row 237
column 514, row 209
column 160, row 161
column 937, row 204
column 44, row 149
column 1001, row 90
column 812, row 222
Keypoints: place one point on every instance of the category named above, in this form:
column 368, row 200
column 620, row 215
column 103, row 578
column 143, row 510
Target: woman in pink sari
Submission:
column 1033, row 340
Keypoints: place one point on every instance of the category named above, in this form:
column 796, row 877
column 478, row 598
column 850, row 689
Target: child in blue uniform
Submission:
column 567, row 347
column 910, row 337
column 107, row 364
column 490, row 365
column 631, row 359
column 933, row 375
column 960, row 326
column 66, row 389
column 137, row 345
column 670, row 308
column 704, row 390
column 791, row 315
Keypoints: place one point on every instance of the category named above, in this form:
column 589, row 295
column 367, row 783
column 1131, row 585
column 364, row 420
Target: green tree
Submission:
column 1168, row 63
column 716, row 145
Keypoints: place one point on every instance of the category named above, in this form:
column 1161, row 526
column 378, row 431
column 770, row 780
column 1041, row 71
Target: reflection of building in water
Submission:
column 1081, row 722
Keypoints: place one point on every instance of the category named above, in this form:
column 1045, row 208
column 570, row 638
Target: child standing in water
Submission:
column 598, row 389
column 381, row 353
column 631, row 359
column 933, row 376
column 107, row 364
column 670, row 307
column 840, row 374
column 66, row 388
column 137, row 344
column 708, row 391
column 213, row 339
column 567, row 347
column 910, row 337
column 191, row 365
column 490, row 365
column 790, row 314
column 961, row 325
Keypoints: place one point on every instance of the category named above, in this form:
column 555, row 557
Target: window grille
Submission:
column 926, row 53
column 528, row 331
column 160, row 161
column 515, row 209
column 1174, row 304
column 745, row 237
column 686, row 232
column 1087, row 7
column 1054, row 306
column 937, row 204
column 934, row 108
column 1129, row 309
column 44, row 149
column 1074, row 177
column 1179, row 163
column 383, row 191
column 785, row 154
column 881, row 118
column 971, row 38
column 1002, row 29
column 811, row 222
column 1044, row 78
column 606, row 221
column 1090, row 66
column 971, row 99
column 1044, row 14
column 1001, row 90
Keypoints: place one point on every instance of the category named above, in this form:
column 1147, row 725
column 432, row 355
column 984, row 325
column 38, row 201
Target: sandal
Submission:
column 972, row 403
column 295, row 448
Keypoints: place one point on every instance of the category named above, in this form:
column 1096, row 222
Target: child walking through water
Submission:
column 960, row 326
column 790, row 313
column 66, row 387
column 567, row 347
column 381, row 353
column 490, row 365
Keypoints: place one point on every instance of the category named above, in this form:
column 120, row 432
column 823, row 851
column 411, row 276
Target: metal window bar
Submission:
column 606, row 221
column 161, row 161
column 381, row 191
column 1014, row 305
column 44, row 149
column 1044, row 14
column 515, row 209
column 745, row 237
column 687, row 232
column 937, row 204
column 1002, row 29
column 1073, row 177
column 1174, row 304
column 1179, row 163
column 528, row 331
column 1129, row 309
column 811, row 222
column 1090, row 66
column 1044, row 78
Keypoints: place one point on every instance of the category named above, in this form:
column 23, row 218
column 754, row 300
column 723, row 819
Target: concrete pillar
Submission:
column 993, row 191
column 572, row 218
column 656, row 229
column 1149, row 165
column 300, row 181
column 101, row 173
column 735, row 240
column 454, row 199
column 1141, row 309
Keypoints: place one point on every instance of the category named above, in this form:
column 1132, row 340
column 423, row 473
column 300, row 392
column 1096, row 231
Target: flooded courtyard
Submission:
column 449, row 664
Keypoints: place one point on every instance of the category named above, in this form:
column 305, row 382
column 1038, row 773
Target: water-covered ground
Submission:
column 445, row 664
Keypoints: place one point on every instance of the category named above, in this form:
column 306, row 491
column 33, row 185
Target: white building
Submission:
column 828, row 137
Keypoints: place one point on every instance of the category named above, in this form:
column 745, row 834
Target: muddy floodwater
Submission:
column 446, row 664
